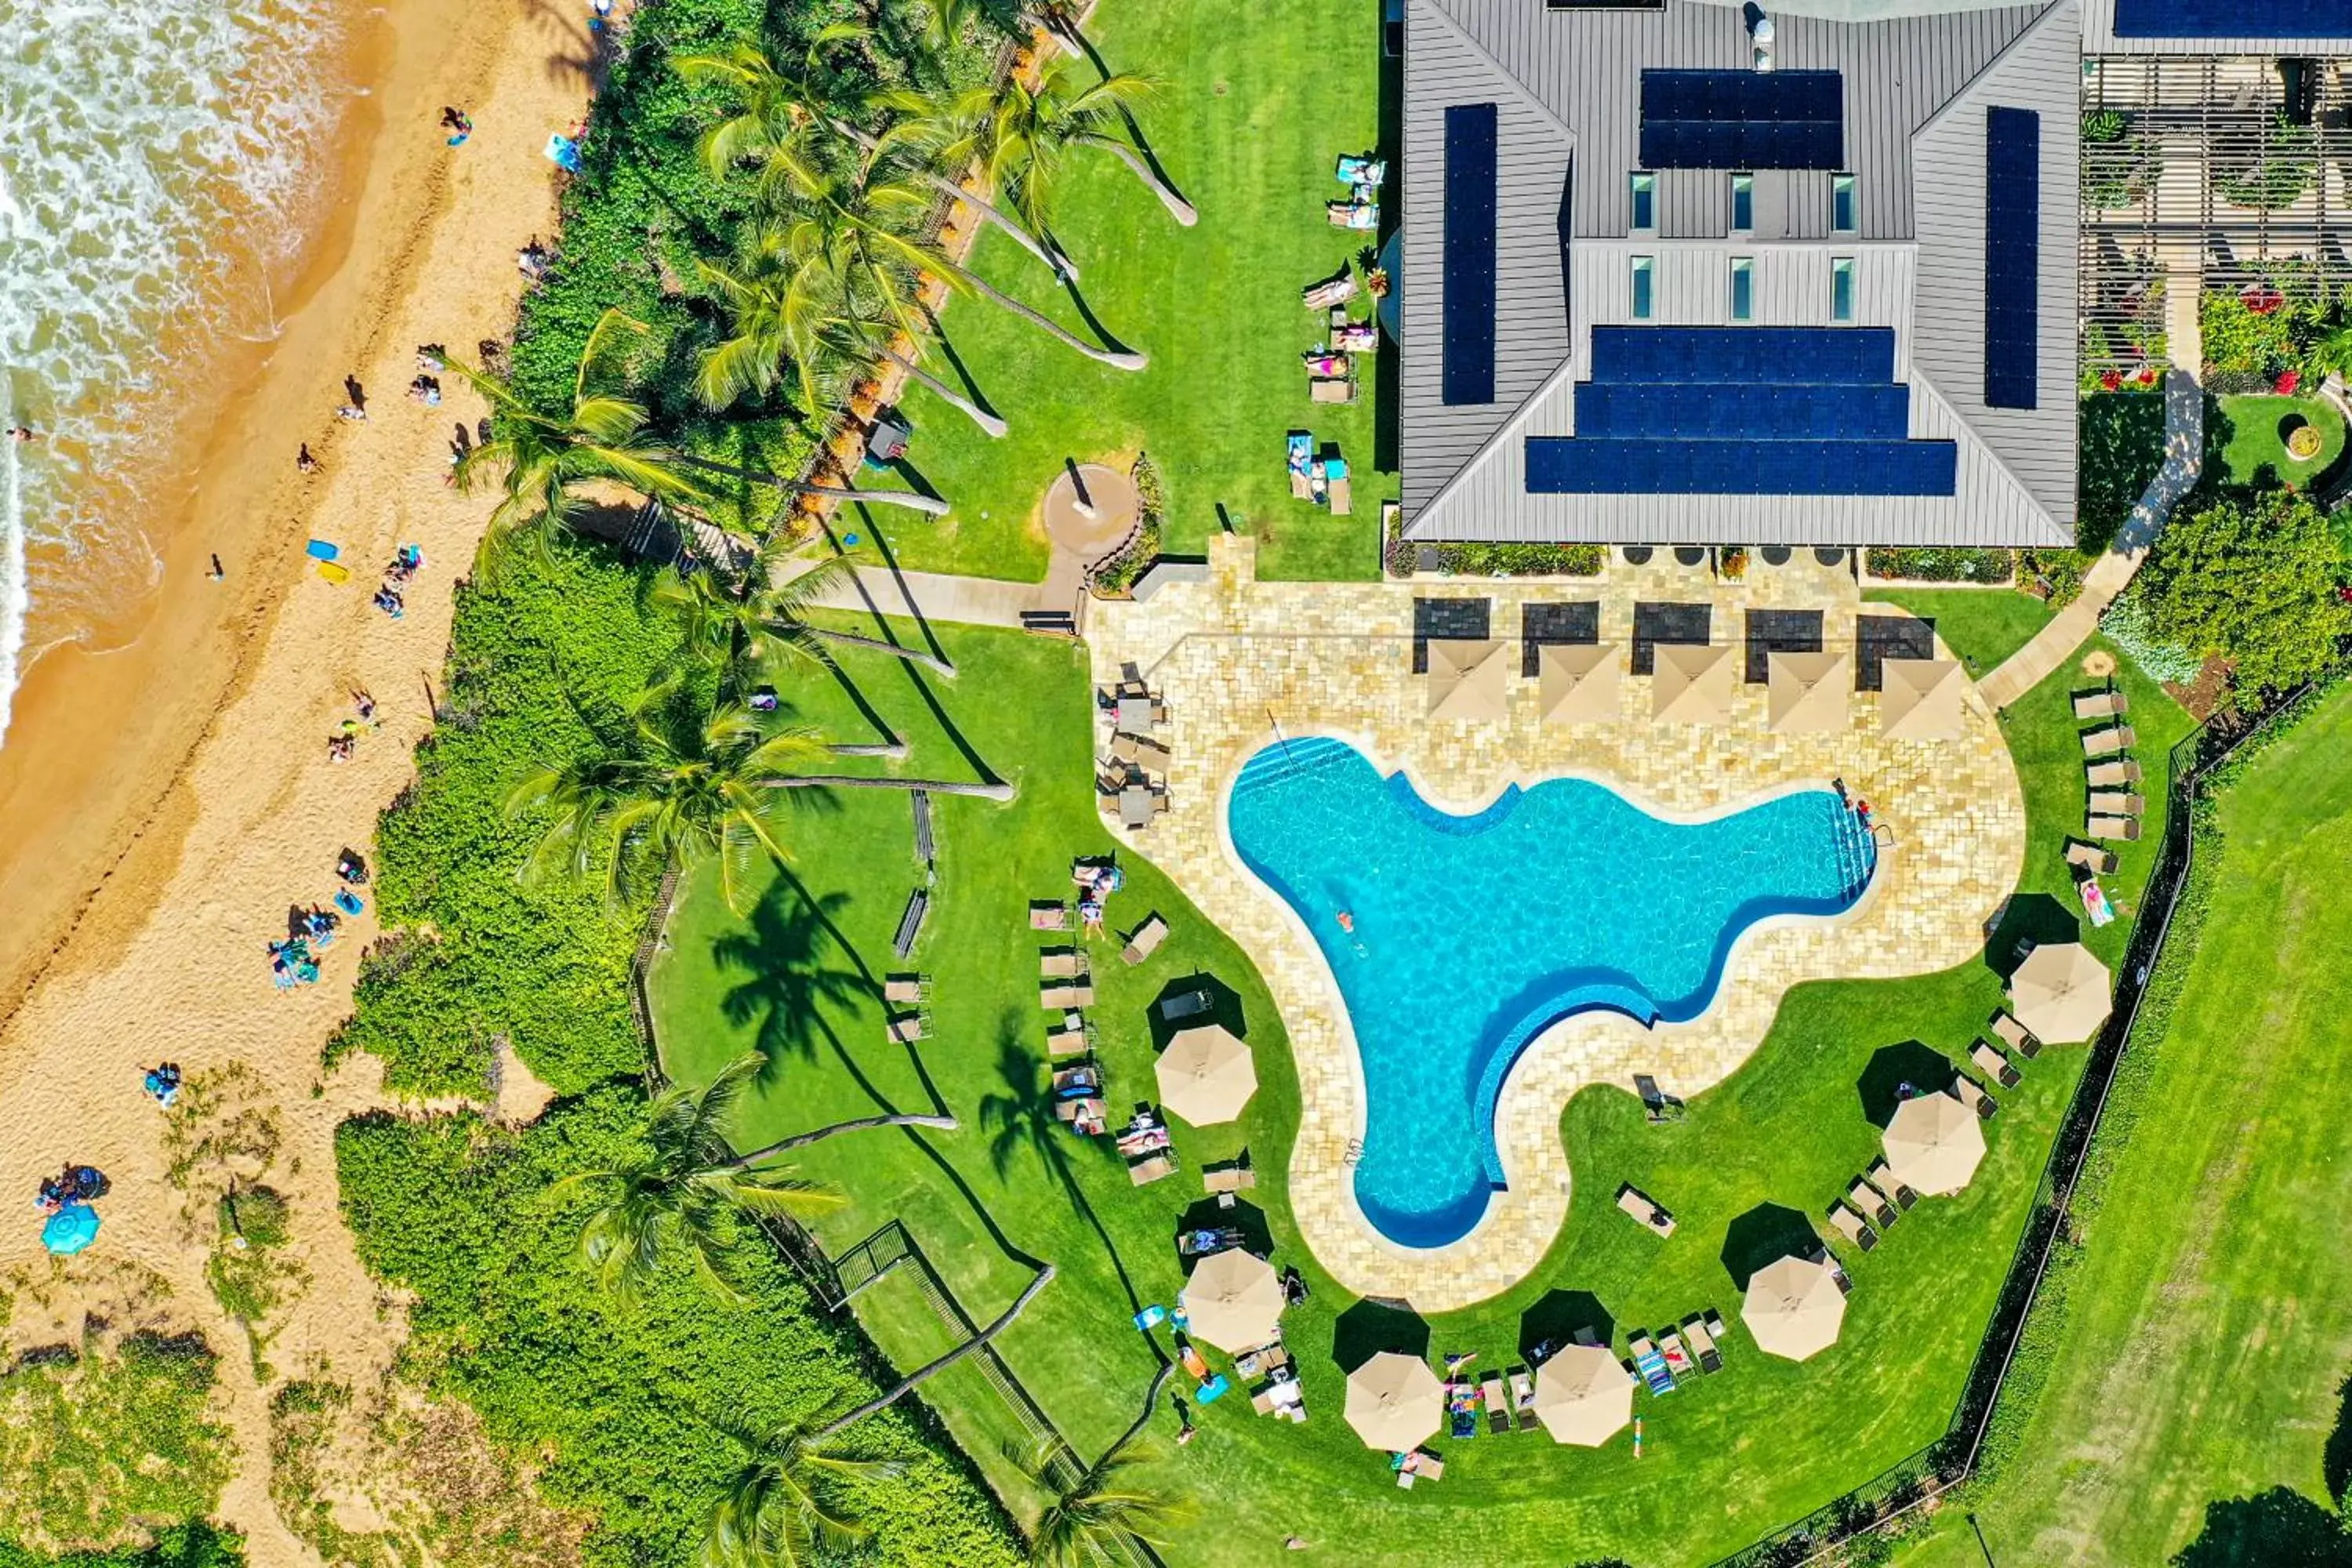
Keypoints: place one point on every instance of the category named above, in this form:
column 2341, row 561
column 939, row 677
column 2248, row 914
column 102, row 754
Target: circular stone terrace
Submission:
column 1234, row 656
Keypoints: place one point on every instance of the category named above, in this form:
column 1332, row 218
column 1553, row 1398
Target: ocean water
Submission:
column 155, row 161
column 1473, row 934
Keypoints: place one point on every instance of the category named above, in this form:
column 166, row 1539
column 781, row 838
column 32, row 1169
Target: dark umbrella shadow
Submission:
column 1926, row 1070
column 1765, row 1234
column 1558, row 1316
column 2022, row 923
column 1207, row 1214
column 1224, row 1008
column 1370, row 1328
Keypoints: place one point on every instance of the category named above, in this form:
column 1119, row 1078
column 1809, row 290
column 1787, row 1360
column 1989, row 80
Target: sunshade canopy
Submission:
column 1807, row 691
column 2060, row 992
column 1205, row 1075
column 1578, row 683
column 1466, row 677
column 1693, row 683
column 1920, row 698
column 1396, row 1402
column 1584, row 1396
column 1935, row 1143
column 70, row 1229
column 1794, row 1307
column 1234, row 1300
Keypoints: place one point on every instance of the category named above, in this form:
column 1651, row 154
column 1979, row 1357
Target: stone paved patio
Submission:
column 1236, row 656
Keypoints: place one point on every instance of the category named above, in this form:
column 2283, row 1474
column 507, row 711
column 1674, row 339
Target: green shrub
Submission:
column 97, row 1445
column 2258, row 345
column 2128, row 624
column 196, row 1544
column 2118, row 167
column 1945, row 565
column 2275, row 177
column 2122, row 436
column 2254, row 581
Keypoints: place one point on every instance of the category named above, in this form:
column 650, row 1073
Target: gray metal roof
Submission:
column 1568, row 83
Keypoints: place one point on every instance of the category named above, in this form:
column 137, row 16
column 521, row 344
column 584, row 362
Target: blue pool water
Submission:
column 1473, row 933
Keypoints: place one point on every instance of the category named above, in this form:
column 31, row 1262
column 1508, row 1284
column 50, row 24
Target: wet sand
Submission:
column 164, row 803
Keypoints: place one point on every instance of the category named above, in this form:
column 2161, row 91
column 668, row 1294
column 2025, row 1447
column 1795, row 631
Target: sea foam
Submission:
column 153, row 161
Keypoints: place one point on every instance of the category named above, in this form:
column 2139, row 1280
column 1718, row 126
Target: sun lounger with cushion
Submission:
column 906, row 1028
column 1061, row 963
column 2014, row 1035
column 1678, row 1360
column 1151, row 1168
column 1049, row 914
column 1872, row 1203
column 2107, row 741
column 1973, row 1093
column 904, row 990
column 2108, row 704
column 1994, row 1066
column 1331, row 388
column 1639, row 1204
column 2118, row 803
column 1652, row 1366
column 2122, row 771
column 1702, row 1344
column 1498, row 1414
column 1882, row 1176
column 1066, row 993
column 2098, row 862
column 1715, row 1327
column 2125, row 829
column 1853, row 1226
column 1146, row 940
column 1187, row 1005
column 1331, row 291
column 1523, row 1397
column 1233, row 1176
column 1838, row 1273
column 1068, row 1037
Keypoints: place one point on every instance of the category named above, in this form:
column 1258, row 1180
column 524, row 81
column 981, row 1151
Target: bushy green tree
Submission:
column 2255, row 580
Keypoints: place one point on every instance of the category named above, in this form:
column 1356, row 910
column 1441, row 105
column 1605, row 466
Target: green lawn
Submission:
column 2193, row 1414
column 1983, row 627
column 2251, row 429
column 1726, row 1460
column 1257, row 100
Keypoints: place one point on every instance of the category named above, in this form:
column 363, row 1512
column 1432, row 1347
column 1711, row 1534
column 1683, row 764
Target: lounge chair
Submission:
column 1853, row 1226
column 2106, row 742
column 1715, row 1326
column 1872, row 1203
column 1146, row 940
column 1972, row 1092
column 1152, row 1167
column 2108, row 704
column 2122, row 771
column 1678, row 1360
column 1068, row 1037
column 1061, row 963
column 2125, row 829
column 1882, row 1177
column 1994, row 1066
column 1138, row 750
column 1187, row 1005
column 1066, row 993
column 1498, row 1414
column 1423, row 1465
column 1651, row 1366
column 1523, row 1397
column 1331, row 388
column 1838, row 1273
column 1702, row 1345
column 2014, row 1035
column 2118, row 803
column 1086, row 1114
column 1233, row 1176
column 1049, row 914
column 908, row 1027
column 904, row 990
column 1639, row 1204
column 2098, row 862
column 1331, row 291
column 910, row 925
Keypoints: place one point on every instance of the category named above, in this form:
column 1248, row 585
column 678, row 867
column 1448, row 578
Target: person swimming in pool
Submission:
column 1346, row 921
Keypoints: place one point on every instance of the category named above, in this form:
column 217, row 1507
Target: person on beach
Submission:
column 303, row 462
column 432, row 358
column 457, row 121
column 218, row 571
column 364, row 704
column 22, row 433
column 163, row 1083
column 341, row 747
column 425, row 389
column 352, row 411
column 599, row 14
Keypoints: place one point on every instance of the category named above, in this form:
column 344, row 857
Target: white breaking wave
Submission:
column 153, row 163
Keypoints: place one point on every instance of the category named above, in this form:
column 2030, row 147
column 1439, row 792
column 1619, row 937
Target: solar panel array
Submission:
column 1468, row 368
column 1742, row 119
column 2232, row 19
column 1742, row 411
column 2013, row 256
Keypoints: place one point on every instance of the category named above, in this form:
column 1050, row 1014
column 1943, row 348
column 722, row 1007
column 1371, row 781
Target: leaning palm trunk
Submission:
column 912, row 501
column 1184, row 212
column 947, row 394
column 875, row 645
column 996, row 792
column 987, row 1335
column 895, row 751
column 801, row 1140
column 1050, row 255
column 1118, row 359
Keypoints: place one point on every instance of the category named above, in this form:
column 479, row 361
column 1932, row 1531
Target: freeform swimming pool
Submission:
column 1472, row 934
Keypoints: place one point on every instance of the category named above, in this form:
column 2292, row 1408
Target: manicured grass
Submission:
column 2192, row 1412
column 1983, row 627
column 1726, row 1460
column 2254, row 442
column 1257, row 100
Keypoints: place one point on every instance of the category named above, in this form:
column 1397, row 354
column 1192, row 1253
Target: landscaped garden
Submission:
column 2272, row 441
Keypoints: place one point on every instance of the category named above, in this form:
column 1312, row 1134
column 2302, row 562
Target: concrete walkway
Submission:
column 2184, row 455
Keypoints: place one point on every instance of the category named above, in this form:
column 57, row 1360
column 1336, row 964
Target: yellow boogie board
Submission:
column 338, row 575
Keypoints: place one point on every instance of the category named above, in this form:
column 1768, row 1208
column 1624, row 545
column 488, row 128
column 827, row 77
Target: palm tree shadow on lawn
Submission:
column 779, row 952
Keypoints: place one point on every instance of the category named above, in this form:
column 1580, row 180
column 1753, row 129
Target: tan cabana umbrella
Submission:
column 1584, row 1396
column 1396, row 1402
column 1234, row 1300
column 1935, row 1143
column 1794, row 1307
column 1807, row 691
column 1205, row 1075
column 1466, row 677
column 1693, row 684
column 2060, row 992
column 1920, row 698
column 1581, row 683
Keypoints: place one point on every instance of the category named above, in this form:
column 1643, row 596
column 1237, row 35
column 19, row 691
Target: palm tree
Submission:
column 1087, row 1519
column 2332, row 354
column 776, row 1511
column 683, row 1188
column 1021, row 139
column 543, row 465
column 740, row 623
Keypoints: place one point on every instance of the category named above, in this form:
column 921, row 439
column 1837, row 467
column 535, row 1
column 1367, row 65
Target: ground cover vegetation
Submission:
column 193, row 1544
column 797, row 979
column 2180, row 1393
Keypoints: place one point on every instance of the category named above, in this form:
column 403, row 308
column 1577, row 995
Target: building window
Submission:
column 1840, row 288
column 1641, row 288
column 1743, row 288
column 1743, row 203
column 1842, row 203
column 1645, row 188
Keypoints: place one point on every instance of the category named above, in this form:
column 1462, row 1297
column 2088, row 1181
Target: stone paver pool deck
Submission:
column 1238, row 660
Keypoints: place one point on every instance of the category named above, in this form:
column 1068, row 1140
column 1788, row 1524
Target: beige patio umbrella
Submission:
column 1935, row 1143
column 1581, row 683
column 1584, row 1396
column 1693, row 684
column 1466, row 677
column 1234, row 1300
column 1805, row 692
column 1920, row 699
column 1794, row 1307
column 1396, row 1402
column 1205, row 1075
column 2060, row 992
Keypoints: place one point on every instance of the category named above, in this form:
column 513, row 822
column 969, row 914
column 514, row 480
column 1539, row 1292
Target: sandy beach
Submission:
column 167, row 802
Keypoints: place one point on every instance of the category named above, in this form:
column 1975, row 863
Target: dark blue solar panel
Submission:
column 1469, row 349
column 1742, row 119
column 2233, row 20
column 1563, row 465
column 1783, row 356
column 1828, row 411
column 2013, row 256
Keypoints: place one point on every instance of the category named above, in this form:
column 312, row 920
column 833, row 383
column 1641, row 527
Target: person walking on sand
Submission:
column 457, row 121
column 304, row 462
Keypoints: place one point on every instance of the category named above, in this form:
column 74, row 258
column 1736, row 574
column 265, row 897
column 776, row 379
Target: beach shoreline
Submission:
column 167, row 801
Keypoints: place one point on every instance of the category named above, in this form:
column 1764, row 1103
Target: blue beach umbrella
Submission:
column 70, row 1229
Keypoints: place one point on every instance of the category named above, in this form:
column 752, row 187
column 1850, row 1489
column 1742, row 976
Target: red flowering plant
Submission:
column 2287, row 381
